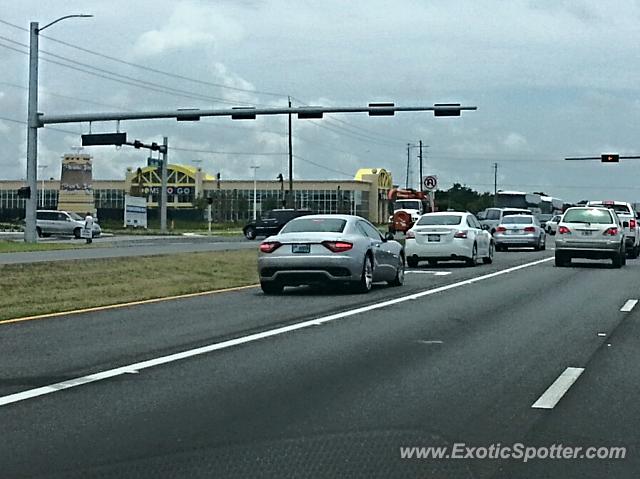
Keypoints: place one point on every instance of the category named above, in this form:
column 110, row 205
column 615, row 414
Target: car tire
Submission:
column 250, row 233
column 271, row 287
column 473, row 261
column 399, row 279
column 39, row 232
column 76, row 233
column 562, row 260
column 432, row 262
column 365, row 283
column 412, row 262
column 635, row 252
column 489, row 259
column 543, row 246
column 616, row 260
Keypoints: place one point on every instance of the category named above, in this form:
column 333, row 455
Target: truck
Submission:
column 408, row 206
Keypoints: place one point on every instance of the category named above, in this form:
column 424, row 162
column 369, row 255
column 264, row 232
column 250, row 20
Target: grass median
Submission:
column 21, row 247
column 40, row 288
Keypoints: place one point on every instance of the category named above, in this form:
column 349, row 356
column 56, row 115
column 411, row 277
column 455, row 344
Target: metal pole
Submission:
column 406, row 183
column 163, row 186
column 291, row 202
column 255, row 193
column 495, row 182
column 30, row 235
column 420, row 179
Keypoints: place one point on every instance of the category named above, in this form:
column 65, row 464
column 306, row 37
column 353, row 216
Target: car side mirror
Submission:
column 485, row 227
column 388, row 236
column 625, row 224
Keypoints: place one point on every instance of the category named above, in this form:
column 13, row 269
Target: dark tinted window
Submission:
column 519, row 220
column 315, row 225
column 440, row 220
column 493, row 215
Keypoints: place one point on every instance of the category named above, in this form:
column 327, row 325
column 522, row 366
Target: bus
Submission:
column 519, row 199
column 551, row 206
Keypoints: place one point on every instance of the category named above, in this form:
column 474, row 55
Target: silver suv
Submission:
column 590, row 232
column 62, row 223
column 627, row 215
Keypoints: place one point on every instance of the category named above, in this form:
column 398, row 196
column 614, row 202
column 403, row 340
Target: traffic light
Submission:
column 24, row 192
column 610, row 158
column 446, row 109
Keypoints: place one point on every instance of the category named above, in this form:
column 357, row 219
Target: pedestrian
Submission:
column 88, row 228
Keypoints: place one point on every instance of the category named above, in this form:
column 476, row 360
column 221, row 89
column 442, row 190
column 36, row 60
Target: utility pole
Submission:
column 163, row 187
column 420, row 178
column 495, row 182
column 291, row 202
column 406, row 183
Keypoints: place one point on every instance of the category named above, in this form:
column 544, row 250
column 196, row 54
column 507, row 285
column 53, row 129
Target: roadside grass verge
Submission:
column 21, row 247
column 40, row 288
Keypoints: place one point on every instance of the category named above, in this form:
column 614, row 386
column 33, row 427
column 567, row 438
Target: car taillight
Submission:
column 269, row 246
column 501, row 229
column 632, row 223
column 337, row 246
column 460, row 234
column 563, row 230
column 529, row 229
column 611, row 231
column 410, row 234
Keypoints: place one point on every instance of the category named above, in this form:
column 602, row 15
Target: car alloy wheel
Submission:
column 366, row 279
column 474, row 256
column 489, row 259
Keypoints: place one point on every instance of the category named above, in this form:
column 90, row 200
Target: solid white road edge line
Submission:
column 71, row 383
column 560, row 386
column 629, row 305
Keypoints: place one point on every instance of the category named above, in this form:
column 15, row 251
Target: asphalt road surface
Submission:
column 128, row 247
column 322, row 383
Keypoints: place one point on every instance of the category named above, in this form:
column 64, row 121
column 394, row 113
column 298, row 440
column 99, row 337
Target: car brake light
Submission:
column 460, row 234
column 501, row 229
column 337, row 246
column 611, row 231
column 269, row 246
column 563, row 230
column 529, row 229
column 410, row 234
column 632, row 223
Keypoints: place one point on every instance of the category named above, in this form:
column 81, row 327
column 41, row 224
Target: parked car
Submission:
column 493, row 216
column 552, row 225
column 336, row 249
column 62, row 223
column 447, row 236
column 590, row 232
column 271, row 222
column 518, row 231
column 627, row 215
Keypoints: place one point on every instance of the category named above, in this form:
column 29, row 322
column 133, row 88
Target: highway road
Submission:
column 322, row 383
column 129, row 247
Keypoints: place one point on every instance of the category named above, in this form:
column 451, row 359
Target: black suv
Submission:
column 271, row 222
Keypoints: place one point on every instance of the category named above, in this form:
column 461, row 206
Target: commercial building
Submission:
column 188, row 189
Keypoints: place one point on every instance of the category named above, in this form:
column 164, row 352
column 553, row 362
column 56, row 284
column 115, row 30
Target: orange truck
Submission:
column 408, row 206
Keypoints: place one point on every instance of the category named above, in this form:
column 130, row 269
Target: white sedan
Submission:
column 448, row 236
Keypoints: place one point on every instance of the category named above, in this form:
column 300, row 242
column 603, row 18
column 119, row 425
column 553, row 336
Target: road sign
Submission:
column 430, row 182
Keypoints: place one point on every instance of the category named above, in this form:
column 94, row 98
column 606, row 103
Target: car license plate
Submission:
column 300, row 248
column 513, row 232
column 587, row 233
column 433, row 238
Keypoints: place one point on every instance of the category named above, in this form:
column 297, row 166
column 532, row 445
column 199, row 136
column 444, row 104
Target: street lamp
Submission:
column 33, row 123
column 42, row 168
column 255, row 188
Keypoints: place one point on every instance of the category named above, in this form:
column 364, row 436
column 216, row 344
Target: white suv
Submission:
column 492, row 217
column 630, row 225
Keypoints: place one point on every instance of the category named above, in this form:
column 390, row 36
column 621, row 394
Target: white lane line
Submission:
column 629, row 305
column 422, row 271
column 560, row 386
column 32, row 393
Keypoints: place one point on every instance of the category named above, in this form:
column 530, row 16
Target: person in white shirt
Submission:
column 88, row 228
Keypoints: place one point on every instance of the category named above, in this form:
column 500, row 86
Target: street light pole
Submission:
column 33, row 123
column 255, row 192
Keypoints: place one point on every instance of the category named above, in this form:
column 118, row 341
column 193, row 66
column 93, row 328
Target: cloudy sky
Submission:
column 550, row 78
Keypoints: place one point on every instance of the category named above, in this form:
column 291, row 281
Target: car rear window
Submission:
column 519, row 220
column 593, row 215
column 515, row 212
column 440, row 220
column 620, row 209
column 315, row 225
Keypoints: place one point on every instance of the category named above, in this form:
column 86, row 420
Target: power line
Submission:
column 297, row 157
column 239, row 153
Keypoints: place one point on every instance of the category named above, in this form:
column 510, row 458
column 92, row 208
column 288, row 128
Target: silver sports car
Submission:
column 329, row 249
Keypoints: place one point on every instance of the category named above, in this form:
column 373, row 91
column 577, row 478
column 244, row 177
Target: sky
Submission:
column 551, row 79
